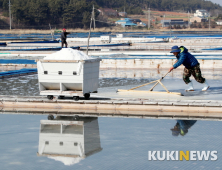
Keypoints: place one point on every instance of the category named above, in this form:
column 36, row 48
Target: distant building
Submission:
column 202, row 13
column 219, row 22
column 126, row 22
column 122, row 14
column 180, row 22
column 143, row 24
column 139, row 22
column 108, row 12
column 197, row 19
column 136, row 21
column 122, row 21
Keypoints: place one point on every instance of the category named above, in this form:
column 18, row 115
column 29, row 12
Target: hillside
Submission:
column 38, row 14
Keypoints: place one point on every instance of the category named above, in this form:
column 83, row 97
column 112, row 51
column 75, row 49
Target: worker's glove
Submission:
column 171, row 69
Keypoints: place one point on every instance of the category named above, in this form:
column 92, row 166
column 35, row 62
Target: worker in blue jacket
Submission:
column 192, row 67
column 182, row 127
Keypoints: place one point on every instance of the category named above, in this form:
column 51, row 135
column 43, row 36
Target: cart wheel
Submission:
column 76, row 98
column 50, row 117
column 76, row 117
column 61, row 97
column 87, row 96
column 50, row 97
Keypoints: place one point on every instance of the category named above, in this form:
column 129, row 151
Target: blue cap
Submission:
column 175, row 49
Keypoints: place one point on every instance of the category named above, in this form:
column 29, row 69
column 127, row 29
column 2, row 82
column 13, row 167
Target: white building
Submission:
column 202, row 13
column 219, row 22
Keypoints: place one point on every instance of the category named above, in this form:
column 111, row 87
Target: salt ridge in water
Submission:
column 68, row 54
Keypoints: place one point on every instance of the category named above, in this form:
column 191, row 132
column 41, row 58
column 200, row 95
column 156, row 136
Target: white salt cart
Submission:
column 68, row 77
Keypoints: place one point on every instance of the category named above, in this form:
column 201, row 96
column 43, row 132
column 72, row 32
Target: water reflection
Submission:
column 69, row 141
column 182, row 126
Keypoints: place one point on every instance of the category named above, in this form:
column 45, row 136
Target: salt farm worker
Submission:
column 191, row 67
column 63, row 37
column 182, row 127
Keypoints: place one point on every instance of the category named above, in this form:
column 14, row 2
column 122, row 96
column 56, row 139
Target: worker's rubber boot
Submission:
column 206, row 86
column 190, row 87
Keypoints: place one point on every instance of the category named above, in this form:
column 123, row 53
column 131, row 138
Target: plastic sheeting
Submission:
column 17, row 72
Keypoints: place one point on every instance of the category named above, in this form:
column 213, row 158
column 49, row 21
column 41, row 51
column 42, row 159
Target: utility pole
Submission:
column 154, row 24
column 94, row 21
column 188, row 19
column 201, row 4
column 89, row 32
column 10, row 18
column 163, row 20
column 124, row 8
column 209, row 21
column 170, row 29
column 148, row 18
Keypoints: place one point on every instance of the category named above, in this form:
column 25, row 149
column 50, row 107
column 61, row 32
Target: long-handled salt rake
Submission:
column 151, row 90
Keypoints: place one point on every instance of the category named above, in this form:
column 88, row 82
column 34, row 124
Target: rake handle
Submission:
column 158, row 81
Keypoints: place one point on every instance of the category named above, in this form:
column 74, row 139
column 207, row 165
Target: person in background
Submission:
column 63, row 37
column 191, row 67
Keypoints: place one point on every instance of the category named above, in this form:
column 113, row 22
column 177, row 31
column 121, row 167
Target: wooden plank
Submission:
column 60, row 61
column 120, row 90
column 110, row 107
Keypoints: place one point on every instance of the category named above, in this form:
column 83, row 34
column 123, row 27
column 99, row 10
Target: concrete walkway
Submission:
column 176, row 109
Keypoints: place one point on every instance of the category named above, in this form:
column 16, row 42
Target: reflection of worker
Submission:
column 63, row 37
column 191, row 67
column 182, row 127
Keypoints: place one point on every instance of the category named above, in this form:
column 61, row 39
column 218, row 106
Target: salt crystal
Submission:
column 68, row 54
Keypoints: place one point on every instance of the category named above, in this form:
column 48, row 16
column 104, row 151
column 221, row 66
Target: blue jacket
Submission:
column 184, row 125
column 185, row 58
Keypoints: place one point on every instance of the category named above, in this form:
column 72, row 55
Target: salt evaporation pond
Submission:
column 125, row 143
column 215, row 56
column 166, row 34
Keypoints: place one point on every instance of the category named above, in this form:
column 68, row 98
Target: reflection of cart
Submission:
column 68, row 77
column 69, row 141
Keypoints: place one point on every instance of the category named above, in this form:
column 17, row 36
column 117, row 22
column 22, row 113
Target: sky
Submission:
column 217, row 1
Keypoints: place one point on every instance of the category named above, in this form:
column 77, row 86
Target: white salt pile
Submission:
column 68, row 54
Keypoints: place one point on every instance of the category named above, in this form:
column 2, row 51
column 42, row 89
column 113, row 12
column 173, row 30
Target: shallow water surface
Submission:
column 123, row 144
column 103, row 143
